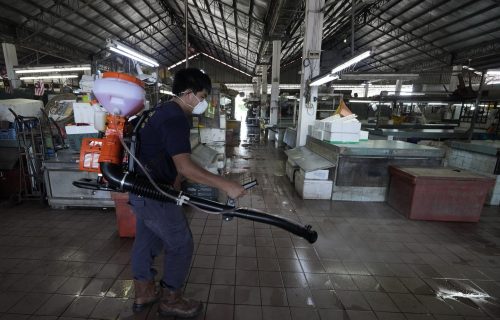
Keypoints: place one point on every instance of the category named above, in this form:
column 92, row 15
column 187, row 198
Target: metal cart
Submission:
column 31, row 144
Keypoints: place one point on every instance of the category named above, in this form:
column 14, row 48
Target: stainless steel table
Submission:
column 481, row 156
column 489, row 147
column 419, row 133
column 59, row 174
column 362, row 168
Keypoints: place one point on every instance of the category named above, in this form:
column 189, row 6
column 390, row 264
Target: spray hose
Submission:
column 141, row 186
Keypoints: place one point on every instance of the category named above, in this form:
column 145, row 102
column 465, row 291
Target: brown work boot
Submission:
column 145, row 295
column 172, row 303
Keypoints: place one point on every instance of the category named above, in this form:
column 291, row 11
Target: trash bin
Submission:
column 442, row 194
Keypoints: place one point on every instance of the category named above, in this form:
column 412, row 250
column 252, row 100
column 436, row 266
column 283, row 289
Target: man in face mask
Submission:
column 165, row 150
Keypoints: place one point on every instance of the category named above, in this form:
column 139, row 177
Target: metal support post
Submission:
column 399, row 84
column 470, row 131
column 310, row 67
column 294, row 111
column 455, row 71
column 275, row 80
column 10, row 57
column 263, row 96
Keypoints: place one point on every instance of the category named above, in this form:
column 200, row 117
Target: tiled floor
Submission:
column 369, row 262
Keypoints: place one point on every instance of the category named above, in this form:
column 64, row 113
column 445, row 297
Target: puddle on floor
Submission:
column 466, row 295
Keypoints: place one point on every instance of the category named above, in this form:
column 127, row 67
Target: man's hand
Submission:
column 186, row 167
column 234, row 190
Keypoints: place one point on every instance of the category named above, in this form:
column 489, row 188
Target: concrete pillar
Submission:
column 312, row 41
column 367, row 87
column 255, row 86
column 263, row 97
column 259, row 86
column 455, row 71
column 10, row 57
column 294, row 111
column 399, row 84
column 275, row 81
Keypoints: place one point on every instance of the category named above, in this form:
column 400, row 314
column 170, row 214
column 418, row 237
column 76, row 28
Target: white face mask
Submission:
column 201, row 106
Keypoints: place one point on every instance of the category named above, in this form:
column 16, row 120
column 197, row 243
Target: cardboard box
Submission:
column 313, row 189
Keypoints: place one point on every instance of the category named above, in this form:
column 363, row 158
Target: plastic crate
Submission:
column 8, row 134
column 75, row 140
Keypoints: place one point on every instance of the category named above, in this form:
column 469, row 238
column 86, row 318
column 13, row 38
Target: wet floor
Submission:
column 369, row 261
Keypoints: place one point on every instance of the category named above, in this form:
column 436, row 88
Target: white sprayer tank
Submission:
column 120, row 93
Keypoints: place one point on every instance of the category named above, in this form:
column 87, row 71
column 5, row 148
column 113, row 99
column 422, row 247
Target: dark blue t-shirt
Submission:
column 164, row 135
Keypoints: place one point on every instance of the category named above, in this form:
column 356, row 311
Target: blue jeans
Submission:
column 161, row 225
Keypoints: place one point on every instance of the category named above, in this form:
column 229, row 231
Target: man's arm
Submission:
column 186, row 167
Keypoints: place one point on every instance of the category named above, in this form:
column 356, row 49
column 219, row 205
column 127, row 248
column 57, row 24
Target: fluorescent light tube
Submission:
column 227, row 65
column 123, row 53
column 167, row 92
column 472, row 69
column 182, row 61
column 323, row 80
column 138, row 55
column 493, row 72
column 361, row 101
column 50, row 77
column 354, row 60
column 126, row 51
column 45, row 70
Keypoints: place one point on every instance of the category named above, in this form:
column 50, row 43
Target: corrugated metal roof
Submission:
column 421, row 34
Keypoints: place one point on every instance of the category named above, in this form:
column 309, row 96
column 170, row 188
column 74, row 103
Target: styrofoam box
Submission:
column 318, row 134
column 319, row 125
column 310, row 129
column 313, row 189
column 208, row 135
column 350, row 137
column 363, row 135
column 351, row 126
column 332, row 136
column 80, row 129
column 341, row 137
column 333, row 126
column 315, row 175
column 84, row 112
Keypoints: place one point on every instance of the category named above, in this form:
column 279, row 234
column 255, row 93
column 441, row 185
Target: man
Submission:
column 164, row 148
